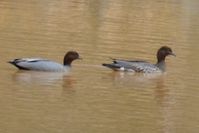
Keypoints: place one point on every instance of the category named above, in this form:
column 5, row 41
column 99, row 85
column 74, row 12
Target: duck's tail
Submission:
column 11, row 62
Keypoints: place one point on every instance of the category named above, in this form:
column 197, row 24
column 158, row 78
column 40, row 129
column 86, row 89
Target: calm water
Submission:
column 91, row 98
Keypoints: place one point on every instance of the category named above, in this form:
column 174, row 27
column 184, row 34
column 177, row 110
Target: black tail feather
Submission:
column 11, row 62
column 19, row 67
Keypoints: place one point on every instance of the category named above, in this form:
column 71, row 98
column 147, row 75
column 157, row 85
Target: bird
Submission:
column 140, row 65
column 40, row 64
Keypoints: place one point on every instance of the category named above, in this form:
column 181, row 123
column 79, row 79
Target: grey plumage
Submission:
column 39, row 64
column 133, row 66
column 142, row 66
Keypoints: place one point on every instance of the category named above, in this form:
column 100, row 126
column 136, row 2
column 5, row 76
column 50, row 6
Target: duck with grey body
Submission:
column 142, row 66
column 39, row 64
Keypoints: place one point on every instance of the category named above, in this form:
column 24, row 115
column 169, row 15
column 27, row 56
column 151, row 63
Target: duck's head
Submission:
column 70, row 57
column 163, row 52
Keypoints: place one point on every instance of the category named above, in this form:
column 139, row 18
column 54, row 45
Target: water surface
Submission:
column 92, row 98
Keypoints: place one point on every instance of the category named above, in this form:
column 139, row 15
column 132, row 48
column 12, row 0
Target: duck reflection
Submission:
column 155, row 82
column 138, row 80
column 42, row 78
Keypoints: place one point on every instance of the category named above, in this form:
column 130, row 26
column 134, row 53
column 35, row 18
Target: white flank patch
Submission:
column 122, row 69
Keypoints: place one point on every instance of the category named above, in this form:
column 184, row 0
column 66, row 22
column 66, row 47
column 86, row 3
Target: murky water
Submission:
column 91, row 98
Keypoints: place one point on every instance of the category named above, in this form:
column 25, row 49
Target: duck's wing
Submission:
column 36, row 64
column 132, row 65
column 25, row 63
column 19, row 60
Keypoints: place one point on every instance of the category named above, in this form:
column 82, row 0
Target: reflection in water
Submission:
column 156, row 82
column 68, row 82
column 41, row 78
column 138, row 80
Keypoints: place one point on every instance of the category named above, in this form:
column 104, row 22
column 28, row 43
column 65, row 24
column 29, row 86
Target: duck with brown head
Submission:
column 70, row 57
column 39, row 64
column 142, row 66
column 162, row 53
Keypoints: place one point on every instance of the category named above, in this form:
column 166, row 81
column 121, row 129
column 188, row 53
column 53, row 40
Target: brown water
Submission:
column 92, row 98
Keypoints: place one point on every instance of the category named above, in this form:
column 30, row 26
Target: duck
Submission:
column 40, row 64
column 142, row 66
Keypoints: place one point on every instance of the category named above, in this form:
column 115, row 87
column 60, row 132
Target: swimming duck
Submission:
column 39, row 64
column 142, row 66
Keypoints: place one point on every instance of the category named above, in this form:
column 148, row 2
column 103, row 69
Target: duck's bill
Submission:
column 173, row 54
column 80, row 58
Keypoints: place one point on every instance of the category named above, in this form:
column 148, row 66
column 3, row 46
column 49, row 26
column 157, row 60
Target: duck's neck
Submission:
column 67, row 62
column 161, row 65
column 161, row 61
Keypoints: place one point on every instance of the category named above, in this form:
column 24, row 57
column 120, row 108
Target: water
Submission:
column 92, row 98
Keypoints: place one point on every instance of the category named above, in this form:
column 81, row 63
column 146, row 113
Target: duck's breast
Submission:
column 146, row 67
